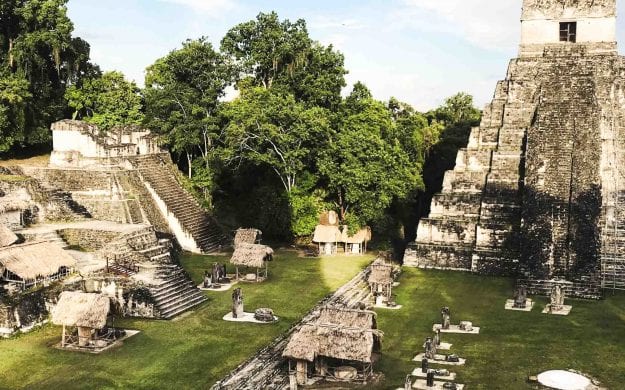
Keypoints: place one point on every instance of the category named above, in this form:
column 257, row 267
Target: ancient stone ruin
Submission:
column 103, row 216
column 539, row 190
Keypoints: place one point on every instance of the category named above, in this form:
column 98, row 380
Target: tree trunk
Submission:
column 189, row 160
column 11, row 53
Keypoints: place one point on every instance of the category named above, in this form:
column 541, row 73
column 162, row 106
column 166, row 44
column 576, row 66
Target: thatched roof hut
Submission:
column 325, row 233
column 251, row 255
column 348, row 317
column 246, row 236
column 76, row 308
column 30, row 261
column 363, row 235
column 381, row 273
column 12, row 204
column 7, row 237
column 332, row 341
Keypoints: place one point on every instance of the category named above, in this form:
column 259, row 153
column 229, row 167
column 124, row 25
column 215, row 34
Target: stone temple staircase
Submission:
column 158, row 172
column 175, row 293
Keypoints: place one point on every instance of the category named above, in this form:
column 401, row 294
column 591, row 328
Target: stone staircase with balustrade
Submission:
column 157, row 172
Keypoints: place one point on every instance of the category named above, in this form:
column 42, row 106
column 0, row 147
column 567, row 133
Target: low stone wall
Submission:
column 128, row 297
column 22, row 312
column 120, row 211
column 89, row 240
column 585, row 288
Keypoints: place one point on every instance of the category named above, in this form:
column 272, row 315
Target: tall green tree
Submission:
column 37, row 48
column 182, row 102
column 280, row 54
column 365, row 166
column 14, row 97
column 108, row 101
column 270, row 128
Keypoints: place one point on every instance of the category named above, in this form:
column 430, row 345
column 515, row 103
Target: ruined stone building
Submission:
column 539, row 190
column 124, row 176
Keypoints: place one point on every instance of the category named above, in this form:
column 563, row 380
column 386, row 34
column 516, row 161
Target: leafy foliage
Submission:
column 182, row 101
column 269, row 127
column 107, row 101
column 39, row 58
column 365, row 165
column 280, row 54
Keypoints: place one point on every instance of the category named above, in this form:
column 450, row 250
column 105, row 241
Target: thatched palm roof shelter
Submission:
column 30, row 263
column 82, row 310
column 76, row 308
column 7, row 237
column 12, row 204
column 343, row 335
column 363, row 235
column 253, row 256
column 246, row 236
column 381, row 279
column 334, row 234
column 352, row 318
column 325, row 233
column 332, row 341
column 381, row 273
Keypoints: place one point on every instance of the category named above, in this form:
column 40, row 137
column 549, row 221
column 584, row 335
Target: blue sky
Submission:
column 420, row 51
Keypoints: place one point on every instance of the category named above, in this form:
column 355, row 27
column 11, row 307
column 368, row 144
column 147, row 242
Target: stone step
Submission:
column 182, row 308
column 177, row 296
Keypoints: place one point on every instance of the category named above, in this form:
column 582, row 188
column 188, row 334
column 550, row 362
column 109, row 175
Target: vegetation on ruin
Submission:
column 106, row 100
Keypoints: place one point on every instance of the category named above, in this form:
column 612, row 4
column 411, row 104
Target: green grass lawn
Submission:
column 197, row 349
column 511, row 345
column 191, row 352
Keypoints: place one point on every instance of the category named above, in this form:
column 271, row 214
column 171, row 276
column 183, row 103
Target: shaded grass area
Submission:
column 511, row 345
column 191, row 352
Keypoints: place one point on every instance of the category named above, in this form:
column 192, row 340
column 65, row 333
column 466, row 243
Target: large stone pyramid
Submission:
column 539, row 191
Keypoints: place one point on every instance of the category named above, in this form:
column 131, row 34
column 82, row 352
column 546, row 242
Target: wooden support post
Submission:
column 302, row 372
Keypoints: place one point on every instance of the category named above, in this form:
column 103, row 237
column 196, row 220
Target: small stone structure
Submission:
column 539, row 189
column 520, row 302
column 237, row 303
column 556, row 304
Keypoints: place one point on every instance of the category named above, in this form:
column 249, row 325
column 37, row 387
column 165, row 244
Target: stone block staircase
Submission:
column 130, row 250
column 174, row 292
column 157, row 171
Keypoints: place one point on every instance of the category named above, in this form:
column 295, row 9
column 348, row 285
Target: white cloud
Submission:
column 490, row 24
column 207, row 7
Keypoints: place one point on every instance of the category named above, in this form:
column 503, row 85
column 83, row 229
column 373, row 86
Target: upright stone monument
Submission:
column 237, row 303
column 539, row 188
column 446, row 317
